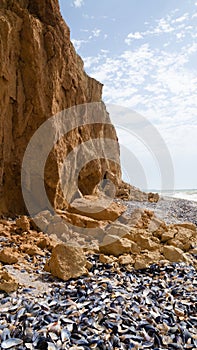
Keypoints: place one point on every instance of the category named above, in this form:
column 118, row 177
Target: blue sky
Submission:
column 145, row 54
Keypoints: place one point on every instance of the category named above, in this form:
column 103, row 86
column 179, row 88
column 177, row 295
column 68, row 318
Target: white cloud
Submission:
column 78, row 43
column 78, row 3
column 156, row 83
column 182, row 18
column 96, row 32
column 170, row 24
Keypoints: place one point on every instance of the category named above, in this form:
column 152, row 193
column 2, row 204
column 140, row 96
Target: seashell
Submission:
column 5, row 334
column 9, row 343
column 51, row 346
column 65, row 335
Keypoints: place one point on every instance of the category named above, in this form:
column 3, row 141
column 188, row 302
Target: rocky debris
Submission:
column 66, row 262
column 148, row 238
column 9, row 256
column 128, row 192
column 137, row 240
column 8, row 283
column 98, row 208
column 31, row 250
column 168, row 209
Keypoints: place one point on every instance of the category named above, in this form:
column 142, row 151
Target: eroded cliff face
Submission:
column 40, row 75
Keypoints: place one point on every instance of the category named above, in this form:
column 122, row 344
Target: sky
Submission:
column 145, row 54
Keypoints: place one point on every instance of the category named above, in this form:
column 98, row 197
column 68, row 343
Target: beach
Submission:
column 114, row 307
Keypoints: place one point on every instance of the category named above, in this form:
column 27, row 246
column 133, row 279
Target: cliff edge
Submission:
column 41, row 75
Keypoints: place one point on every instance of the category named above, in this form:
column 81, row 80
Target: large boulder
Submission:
column 66, row 262
column 98, row 208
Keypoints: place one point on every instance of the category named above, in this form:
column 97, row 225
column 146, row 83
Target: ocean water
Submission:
column 190, row 195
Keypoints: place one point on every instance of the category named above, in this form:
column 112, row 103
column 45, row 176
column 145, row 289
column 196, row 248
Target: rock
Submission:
column 23, row 223
column 105, row 259
column 157, row 225
column 128, row 192
column 8, row 283
column 57, row 228
column 126, row 259
column 31, row 250
column 135, row 249
column 88, row 265
column 146, row 242
column 44, row 243
column 184, row 235
column 173, row 254
column 166, row 236
column 92, row 247
column 193, row 251
column 98, row 208
column 144, row 260
column 153, row 197
column 66, row 262
column 80, row 221
column 187, row 225
column 114, row 245
column 41, row 75
column 8, row 256
column 119, row 230
column 176, row 243
column 40, row 223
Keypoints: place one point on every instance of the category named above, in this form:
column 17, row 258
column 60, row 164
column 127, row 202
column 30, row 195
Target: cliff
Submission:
column 41, row 75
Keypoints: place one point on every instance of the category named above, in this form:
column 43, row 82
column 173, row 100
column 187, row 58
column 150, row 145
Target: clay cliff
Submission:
column 41, row 75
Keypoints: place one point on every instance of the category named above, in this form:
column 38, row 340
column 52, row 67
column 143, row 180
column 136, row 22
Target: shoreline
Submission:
column 169, row 209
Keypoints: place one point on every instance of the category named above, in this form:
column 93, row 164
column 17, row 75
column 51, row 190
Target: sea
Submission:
column 190, row 194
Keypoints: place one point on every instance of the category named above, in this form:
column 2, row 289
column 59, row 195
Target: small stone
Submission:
column 145, row 259
column 43, row 243
column 7, row 283
column 105, row 259
column 40, row 223
column 173, row 254
column 119, row 230
column 57, row 228
column 166, row 236
column 23, row 223
column 126, row 259
column 114, row 245
column 153, row 197
column 31, row 250
column 176, row 243
column 146, row 243
column 89, row 265
column 8, row 256
column 184, row 234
